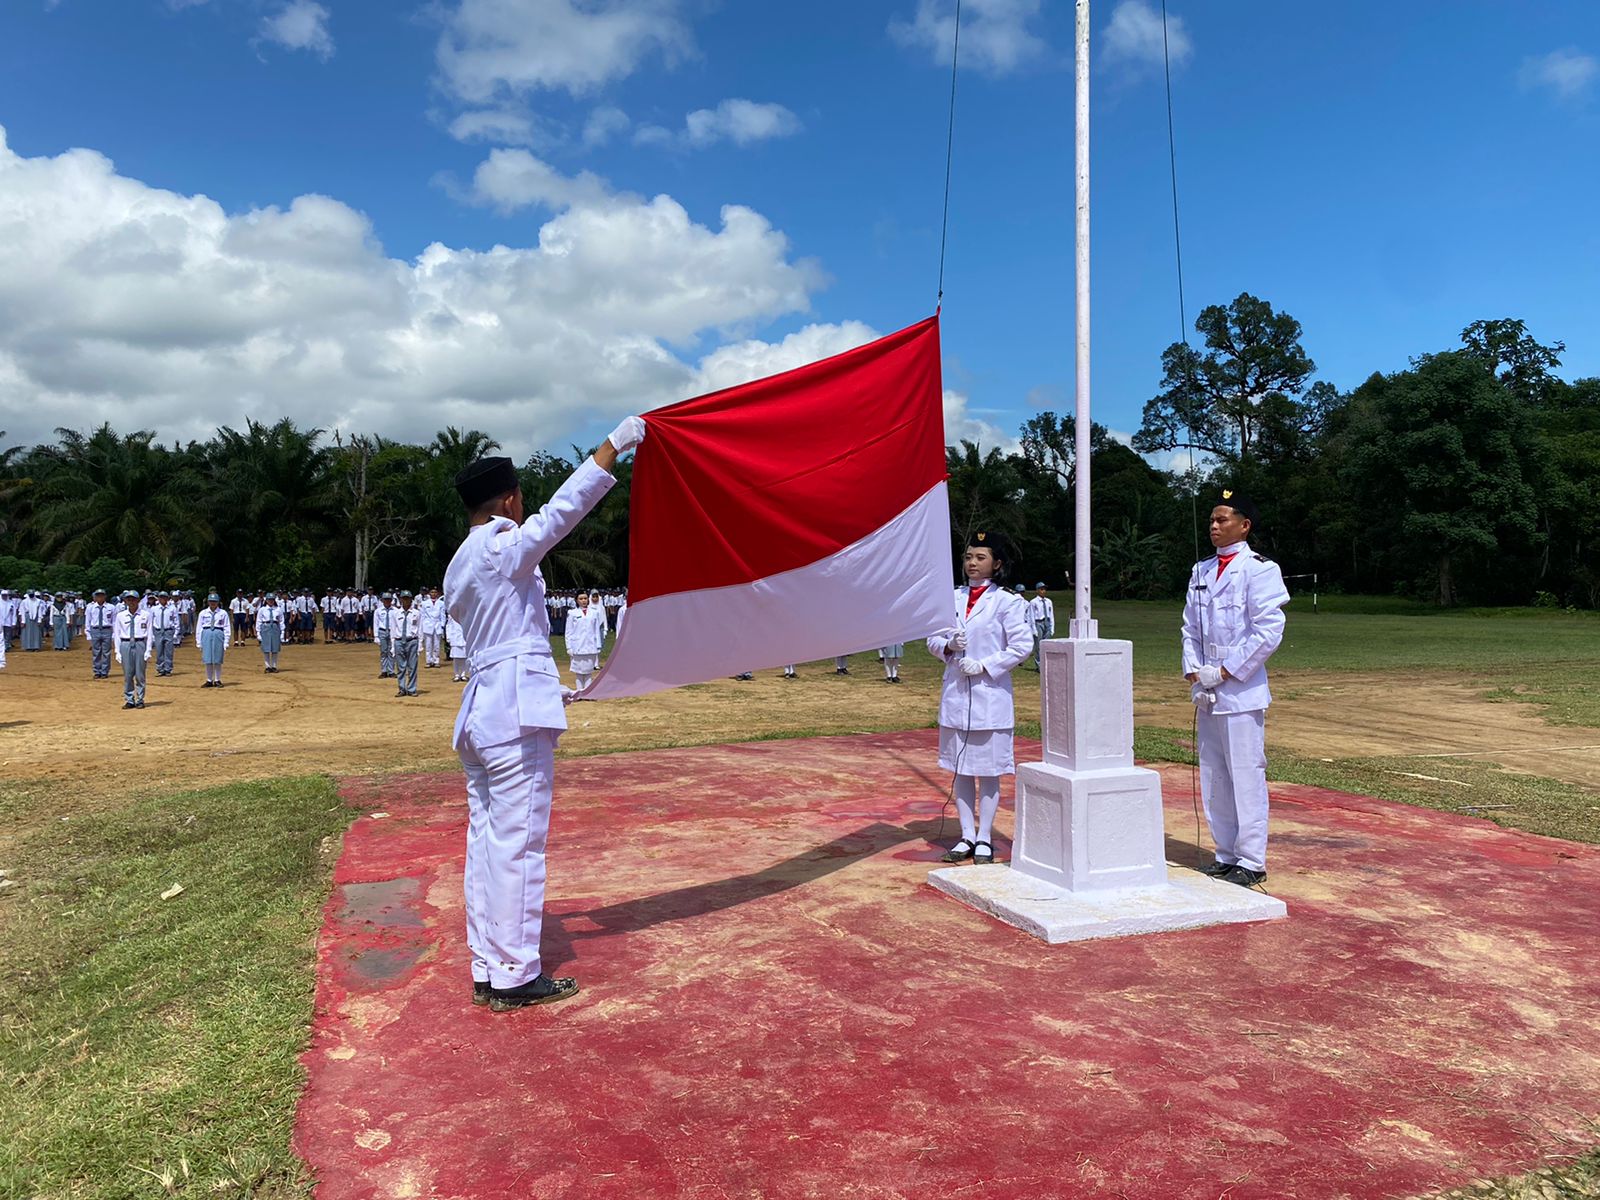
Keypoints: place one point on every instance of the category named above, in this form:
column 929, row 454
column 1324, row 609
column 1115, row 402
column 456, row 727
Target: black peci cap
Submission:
column 486, row 479
column 1240, row 503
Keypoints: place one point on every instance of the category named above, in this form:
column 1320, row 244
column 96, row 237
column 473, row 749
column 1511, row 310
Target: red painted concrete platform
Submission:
column 776, row 1005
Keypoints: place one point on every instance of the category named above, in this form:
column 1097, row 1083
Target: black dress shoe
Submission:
column 1217, row 869
column 1245, row 877
column 480, row 992
column 982, row 853
column 960, row 852
column 541, row 989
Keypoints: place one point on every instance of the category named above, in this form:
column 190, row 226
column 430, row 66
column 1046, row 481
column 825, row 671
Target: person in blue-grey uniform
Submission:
column 61, row 623
column 383, row 634
column 891, row 656
column 1042, row 616
column 1232, row 622
column 213, row 627
column 163, row 631
column 989, row 638
column 131, row 643
column 513, row 712
column 269, row 631
column 98, row 619
column 35, row 608
column 405, row 626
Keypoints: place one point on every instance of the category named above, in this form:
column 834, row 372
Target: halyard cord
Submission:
column 949, row 152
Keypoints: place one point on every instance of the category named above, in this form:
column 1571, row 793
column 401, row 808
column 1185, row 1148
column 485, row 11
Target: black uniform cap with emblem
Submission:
column 485, row 480
column 1241, row 504
column 1000, row 546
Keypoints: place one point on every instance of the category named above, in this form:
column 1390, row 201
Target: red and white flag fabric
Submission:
column 789, row 519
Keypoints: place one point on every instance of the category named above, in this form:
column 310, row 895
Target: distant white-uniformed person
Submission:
column 512, row 712
column 133, row 647
column 98, row 620
column 988, row 639
column 212, row 638
column 586, row 633
column 1042, row 614
column 1232, row 622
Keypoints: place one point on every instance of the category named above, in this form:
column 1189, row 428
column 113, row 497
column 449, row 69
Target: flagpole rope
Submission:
column 949, row 154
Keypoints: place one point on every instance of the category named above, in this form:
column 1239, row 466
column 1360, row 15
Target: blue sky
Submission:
column 1387, row 173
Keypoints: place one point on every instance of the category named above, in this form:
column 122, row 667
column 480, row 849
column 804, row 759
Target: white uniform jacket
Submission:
column 131, row 625
column 382, row 619
column 433, row 615
column 1000, row 636
column 405, row 622
column 586, row 630
column 1235, row 621
column 497, row 593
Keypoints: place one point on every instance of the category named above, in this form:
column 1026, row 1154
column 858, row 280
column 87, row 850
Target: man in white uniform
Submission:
column 512, row 712
column 1232, row 622
column 433, row 618
column 131, row 643
column 163, row 631
column 98, row 620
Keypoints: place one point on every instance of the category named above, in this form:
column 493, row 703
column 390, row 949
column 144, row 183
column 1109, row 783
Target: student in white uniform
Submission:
column 891, row 656
column 1042, row 616
column 383, row 634
column 512, row 712
column 1232, row 622
column 8, row 617
column 433, row 619
column 98, row 620
column 269, row 632
column 164, row 631
column 457, row 637
column 989, row 638
column 586, row 625
column 213, row 636
column 405, row 627
column 132, row 645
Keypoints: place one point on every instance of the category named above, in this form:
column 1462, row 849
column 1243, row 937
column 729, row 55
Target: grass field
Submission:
column 149, row 1046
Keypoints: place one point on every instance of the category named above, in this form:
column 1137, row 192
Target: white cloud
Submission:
column 1133, row 37
column 151, row 309
column 1569, row 73
column 604, row 123
column 740, row 122
column 300, row 25
column 505, row 126
column 740, row 362
column 509, row 180
column 490, row 49
column 961, row 426
column 996, row 35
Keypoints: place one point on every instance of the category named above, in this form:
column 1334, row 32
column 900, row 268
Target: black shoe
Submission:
column 983, row 856
column 960, row 852
column 539, row 990
column 480, row 992
column 140, row 704
column 1245, row 877
column 1217, row 869
column 841, row 670
column 127, row 704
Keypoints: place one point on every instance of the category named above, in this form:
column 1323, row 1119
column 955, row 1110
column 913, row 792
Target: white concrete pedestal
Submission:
column 1089, row 858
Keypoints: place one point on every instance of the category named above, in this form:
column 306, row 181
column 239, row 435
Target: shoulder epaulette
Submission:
column 1260, row 558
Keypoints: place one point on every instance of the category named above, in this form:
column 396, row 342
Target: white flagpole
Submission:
column 1083, row 626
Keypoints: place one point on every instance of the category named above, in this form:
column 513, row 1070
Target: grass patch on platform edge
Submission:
column 152, row 1046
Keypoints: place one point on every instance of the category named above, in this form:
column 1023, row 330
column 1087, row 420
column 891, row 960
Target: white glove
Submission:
column 959, row 642
column 627, row 435
column 971, row 666
column 1208, row 677
column 567, row 694
column 1202, row 698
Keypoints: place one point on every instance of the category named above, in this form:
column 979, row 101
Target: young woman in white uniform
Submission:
column 990, row 637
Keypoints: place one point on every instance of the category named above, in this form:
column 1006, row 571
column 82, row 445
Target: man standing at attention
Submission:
column 132, row 646
column 1042, row 616
column 98, row 620
column 512, row 712
column 1232, row 622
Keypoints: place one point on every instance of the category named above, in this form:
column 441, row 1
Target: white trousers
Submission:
column 430, row 648
column 508, row 816
column 1233, row 784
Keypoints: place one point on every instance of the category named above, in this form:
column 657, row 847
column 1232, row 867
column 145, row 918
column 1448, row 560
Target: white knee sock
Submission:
column 966, row 791
column 988, row 805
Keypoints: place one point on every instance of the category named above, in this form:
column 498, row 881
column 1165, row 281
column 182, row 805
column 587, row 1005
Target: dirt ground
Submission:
column 326, row 710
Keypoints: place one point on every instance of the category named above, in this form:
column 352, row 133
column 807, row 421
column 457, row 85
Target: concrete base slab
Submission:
column 1188, row 900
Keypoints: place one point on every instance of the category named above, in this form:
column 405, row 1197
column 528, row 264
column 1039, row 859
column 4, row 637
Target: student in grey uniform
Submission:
column 512, row 712
column 406, row 628
column 1232, row 622
column 269, row 632
column 841, row 665
column 131, row 644
column 1042, row 614
column 98, row 618
column 989, row 638
column 891, row 656
column 163, row 632
column 8, row 617
column 212, row 635
column 34, row 611
column 383, row 631
column 60, row 624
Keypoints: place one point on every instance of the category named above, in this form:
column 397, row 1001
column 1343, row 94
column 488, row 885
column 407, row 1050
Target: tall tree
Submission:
column 1212, row 401
column 1523, row 364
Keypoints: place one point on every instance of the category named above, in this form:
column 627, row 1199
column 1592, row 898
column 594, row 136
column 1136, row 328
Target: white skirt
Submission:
column 585, row 664
column 983, row 752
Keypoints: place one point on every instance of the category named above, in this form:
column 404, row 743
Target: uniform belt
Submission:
column 1218, row 650
column 485, row 659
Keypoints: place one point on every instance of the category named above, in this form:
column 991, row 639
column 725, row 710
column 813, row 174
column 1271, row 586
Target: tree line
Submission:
column 1472, row 476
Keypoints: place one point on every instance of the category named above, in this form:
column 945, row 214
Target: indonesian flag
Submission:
column 790, row 519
